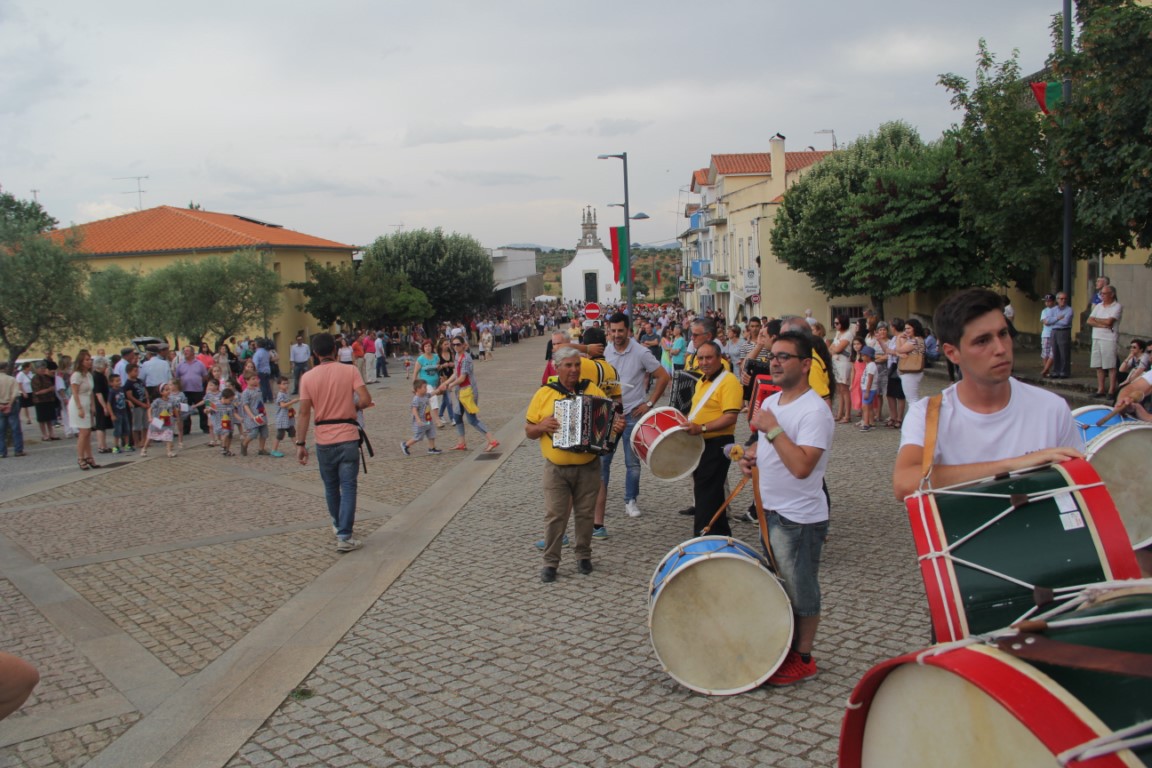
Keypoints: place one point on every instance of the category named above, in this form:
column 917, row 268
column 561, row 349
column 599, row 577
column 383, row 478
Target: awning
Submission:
column 511, row 283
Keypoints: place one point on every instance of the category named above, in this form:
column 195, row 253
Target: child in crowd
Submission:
column 121, row 421
column 285, row 417
column 254, row 417
column 180, row 411
column 422, row 424
column 163, row 419
column 209, row 403
column 225, row 416
column 869, row 396
column 855, row 391
column 137, row 395
column 407, row 360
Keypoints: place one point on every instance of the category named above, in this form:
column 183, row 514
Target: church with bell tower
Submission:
column 589, row 277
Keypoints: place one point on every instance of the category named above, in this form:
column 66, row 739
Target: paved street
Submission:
column 193, row 612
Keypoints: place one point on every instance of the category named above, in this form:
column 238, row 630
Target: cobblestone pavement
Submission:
column 193, row 612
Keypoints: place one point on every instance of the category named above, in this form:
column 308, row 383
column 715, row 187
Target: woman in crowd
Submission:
column 101, row 404
column 444, row 367
column 205, row 356
column 427, row 363
column 678, row 348
column 80, row 414
column 227, row 360
column 895, row 391
column 911, row 343
column 841, row 348
column 464, row 380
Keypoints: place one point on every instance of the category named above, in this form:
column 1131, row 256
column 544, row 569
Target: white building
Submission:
column 515, row 275
column 589, row 277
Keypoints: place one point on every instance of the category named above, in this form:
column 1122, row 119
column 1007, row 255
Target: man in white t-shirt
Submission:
column 1105, row 322
column 989, row 423
column 795, row 434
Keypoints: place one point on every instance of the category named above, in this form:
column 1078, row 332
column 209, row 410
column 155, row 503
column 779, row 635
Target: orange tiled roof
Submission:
column 700, row 177
column 166, row 229
column 757, row 163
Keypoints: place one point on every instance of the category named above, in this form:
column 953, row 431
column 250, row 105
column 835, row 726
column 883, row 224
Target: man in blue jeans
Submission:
column 326, row 392
column 10, row 414
column 795, row 429
column 263, row 362
column 634, row 364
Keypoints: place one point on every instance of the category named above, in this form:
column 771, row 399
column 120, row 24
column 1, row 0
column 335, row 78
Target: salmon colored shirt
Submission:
column 329, row 387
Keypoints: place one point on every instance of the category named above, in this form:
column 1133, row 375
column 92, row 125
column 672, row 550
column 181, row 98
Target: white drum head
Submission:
column 721, row 624
column 926, row 716
column 675, row 454
column 1123, row 456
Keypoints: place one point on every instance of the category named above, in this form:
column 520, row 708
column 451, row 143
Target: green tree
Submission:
column 816, row 228
column 368, row 296
column 123, row 306
column 42, row 281
column 1107, row 147
column 454, row 272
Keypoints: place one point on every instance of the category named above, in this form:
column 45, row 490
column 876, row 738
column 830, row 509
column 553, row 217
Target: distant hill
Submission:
column 531, row 247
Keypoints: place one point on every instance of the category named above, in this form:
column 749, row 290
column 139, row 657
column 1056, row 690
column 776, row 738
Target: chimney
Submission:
column 779, row 165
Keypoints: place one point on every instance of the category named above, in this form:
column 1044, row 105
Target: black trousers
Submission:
column 1061, row 351
column 708, row 486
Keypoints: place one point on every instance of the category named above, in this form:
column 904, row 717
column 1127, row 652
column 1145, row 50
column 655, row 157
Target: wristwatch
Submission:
column 774, row 433
column 703, row 428
column 648, row 403
column 302, row 444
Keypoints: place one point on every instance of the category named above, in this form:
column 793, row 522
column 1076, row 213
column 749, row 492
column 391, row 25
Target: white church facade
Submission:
column 588, row 277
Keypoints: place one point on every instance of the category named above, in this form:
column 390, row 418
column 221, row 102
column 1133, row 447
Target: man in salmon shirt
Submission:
column 327, row 391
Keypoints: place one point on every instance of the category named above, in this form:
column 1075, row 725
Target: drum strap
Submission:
column 931, row 427
column 763, row 518
column 1044, row 650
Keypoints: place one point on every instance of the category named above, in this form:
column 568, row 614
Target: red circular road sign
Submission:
column 592, row 311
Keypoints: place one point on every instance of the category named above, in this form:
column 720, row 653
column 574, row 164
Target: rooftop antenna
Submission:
column 398, row 227
column 139, row 189
column 36, row 195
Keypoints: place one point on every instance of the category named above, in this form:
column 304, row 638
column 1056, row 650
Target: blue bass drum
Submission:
column 720, row 622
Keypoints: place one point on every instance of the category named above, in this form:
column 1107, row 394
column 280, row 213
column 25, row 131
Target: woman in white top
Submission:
column 80, row 414
column 841, row 348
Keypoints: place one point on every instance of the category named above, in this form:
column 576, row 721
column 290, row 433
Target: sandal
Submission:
column 83, row 464
column 103, row 450
column 460, row 447
column 92, row 463
column 492, row 446
column 143, row 452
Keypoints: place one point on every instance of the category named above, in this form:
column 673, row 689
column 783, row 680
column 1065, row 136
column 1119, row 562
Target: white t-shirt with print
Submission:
column 1033, row 420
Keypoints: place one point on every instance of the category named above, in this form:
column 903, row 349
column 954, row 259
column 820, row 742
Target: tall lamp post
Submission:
column 627, row 235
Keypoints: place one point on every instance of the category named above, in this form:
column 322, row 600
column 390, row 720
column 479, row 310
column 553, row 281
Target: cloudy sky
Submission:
column 350, row 118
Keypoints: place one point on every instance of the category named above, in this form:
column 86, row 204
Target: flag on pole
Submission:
column 657, row 278
column 619, row 252
column 1048, row 95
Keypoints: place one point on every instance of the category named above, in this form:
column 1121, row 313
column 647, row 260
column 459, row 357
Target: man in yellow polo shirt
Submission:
column 715, row 407
column 571, row 479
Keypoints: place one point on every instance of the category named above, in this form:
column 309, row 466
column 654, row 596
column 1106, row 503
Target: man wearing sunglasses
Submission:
column 716, row 404
column 795, row 429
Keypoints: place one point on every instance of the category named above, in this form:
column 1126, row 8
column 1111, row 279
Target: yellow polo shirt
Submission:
column 542, row 406
column 727, row 398
column 818, row 376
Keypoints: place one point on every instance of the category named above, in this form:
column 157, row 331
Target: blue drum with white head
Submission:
column 720, row 621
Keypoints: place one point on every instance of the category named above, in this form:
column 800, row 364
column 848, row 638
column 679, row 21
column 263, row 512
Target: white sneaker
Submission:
column 631, row 509
column 348, row 545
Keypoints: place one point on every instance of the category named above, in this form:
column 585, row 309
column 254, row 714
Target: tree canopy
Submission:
column 42, row 281
column 453, row 271
column 1107, row 146
column 364, row 296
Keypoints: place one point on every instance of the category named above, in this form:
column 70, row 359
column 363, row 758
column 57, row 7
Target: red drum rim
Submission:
column 1056, row 718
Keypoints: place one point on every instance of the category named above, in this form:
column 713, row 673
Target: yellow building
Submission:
column 727, row 250
column 154, row 238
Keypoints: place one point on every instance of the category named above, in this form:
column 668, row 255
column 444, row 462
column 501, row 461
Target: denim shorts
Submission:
column 796, row 547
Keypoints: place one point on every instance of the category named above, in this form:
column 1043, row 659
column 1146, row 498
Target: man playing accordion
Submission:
column 571, row 478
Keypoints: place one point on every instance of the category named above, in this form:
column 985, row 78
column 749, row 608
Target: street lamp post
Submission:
column 627, row 234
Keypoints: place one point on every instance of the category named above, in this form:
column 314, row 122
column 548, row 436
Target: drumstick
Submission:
column 724, row 506
column 1111, row 413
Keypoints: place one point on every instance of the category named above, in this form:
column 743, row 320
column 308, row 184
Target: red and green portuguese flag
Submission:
column 619, row 252
column 1048, row 95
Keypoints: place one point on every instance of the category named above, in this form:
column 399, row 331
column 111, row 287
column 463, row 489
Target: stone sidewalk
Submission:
column 193, row 613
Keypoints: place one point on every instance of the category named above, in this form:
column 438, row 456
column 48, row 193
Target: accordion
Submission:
column 585, row 424
column 681, row 389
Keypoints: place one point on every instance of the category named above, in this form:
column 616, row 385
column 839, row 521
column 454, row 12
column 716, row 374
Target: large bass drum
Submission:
column 1077, row 693
column 720, row 622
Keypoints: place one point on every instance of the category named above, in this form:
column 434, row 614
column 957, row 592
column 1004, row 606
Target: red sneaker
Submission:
column 793, row 670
